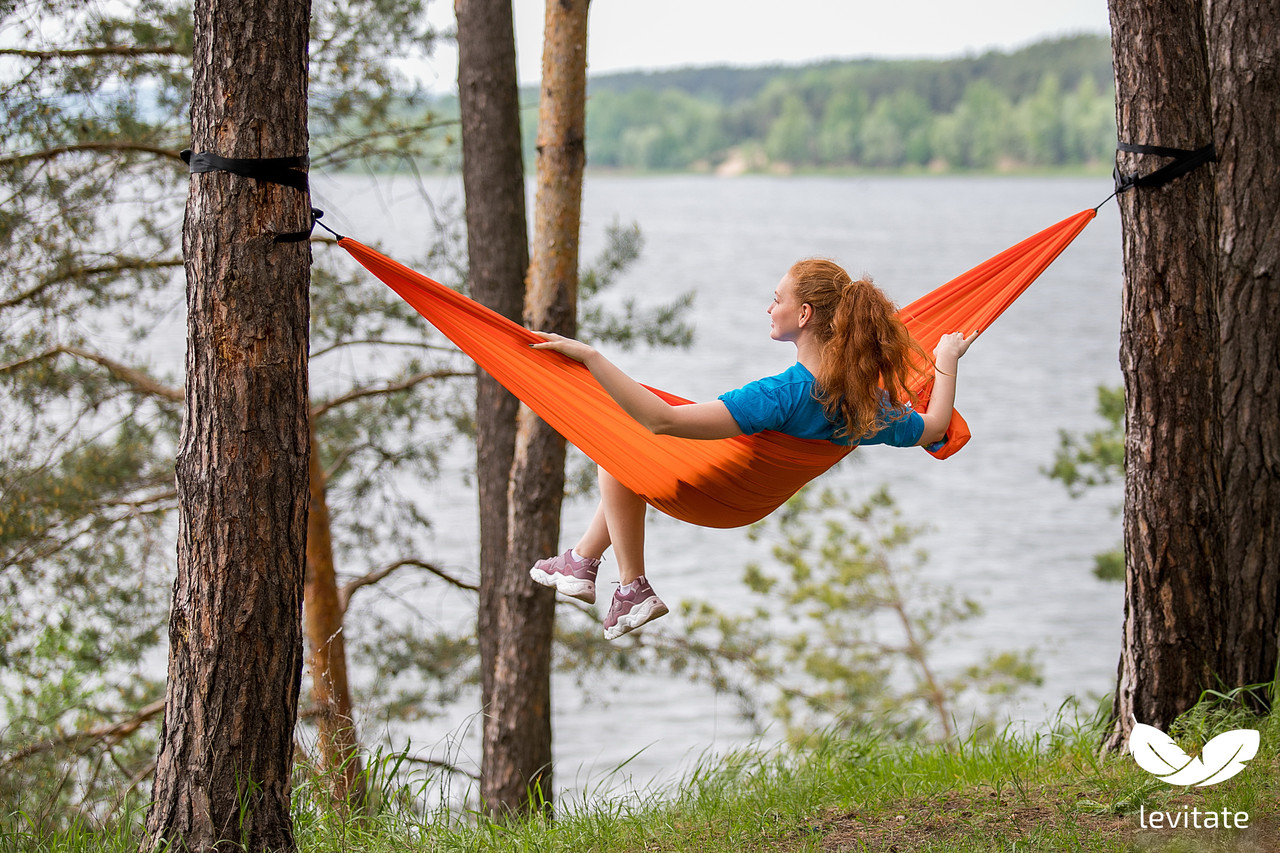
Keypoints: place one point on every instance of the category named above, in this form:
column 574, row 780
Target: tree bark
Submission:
column 498, row 259
column 1168, row 353
column 517, row 771
column 235, row 657
column 323, row 615
column 1244, row 66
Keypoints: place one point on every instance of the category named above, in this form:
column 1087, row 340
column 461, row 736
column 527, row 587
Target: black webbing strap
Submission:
column 1184, row 161
column 290, row 171
column 287, row 171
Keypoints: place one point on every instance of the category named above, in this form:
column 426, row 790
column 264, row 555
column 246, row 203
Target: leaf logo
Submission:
column 1222, row 757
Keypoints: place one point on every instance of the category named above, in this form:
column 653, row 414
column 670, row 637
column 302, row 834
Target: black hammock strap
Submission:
column 1184, row 161
column 287, row 171
column 290, row 171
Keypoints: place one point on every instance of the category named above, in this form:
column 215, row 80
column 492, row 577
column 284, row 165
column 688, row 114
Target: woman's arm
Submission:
column 696, row 420
column 946, row 361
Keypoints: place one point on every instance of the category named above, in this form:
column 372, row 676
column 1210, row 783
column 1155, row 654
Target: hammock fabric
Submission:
column 723, row 483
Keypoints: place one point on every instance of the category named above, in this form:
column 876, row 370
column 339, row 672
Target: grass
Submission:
column 1045, row 791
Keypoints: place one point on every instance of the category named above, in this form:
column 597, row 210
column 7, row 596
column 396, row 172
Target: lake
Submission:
column 1000, row 531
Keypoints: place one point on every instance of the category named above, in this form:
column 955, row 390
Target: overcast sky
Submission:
column 627, row 35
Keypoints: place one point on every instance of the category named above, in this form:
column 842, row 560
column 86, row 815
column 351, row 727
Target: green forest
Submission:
column 1048, row 105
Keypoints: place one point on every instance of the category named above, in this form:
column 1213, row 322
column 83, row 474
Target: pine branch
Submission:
column 341, row 459
column 136, row 504
column 92, row 52
column 351, row 587
column 147, row 384
column 392, row 388
column 37, row 544
column 134, row 265
column 92, row 147
column 23, row 362
column 109, row 732
column 376, row 342
column 338, row 155
column 132, row 376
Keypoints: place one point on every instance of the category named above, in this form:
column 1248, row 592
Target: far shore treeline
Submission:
column 1047, row 106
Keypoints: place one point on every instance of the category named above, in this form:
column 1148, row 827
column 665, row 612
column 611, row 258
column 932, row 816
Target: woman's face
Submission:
column 787, row 314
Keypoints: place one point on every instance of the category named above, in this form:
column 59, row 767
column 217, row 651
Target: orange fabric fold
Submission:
column 725, row 483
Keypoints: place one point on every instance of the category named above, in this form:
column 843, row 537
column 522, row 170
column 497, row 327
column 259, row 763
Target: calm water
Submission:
column 1001, row 532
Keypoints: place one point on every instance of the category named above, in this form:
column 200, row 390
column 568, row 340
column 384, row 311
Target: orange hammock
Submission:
column 728, row 482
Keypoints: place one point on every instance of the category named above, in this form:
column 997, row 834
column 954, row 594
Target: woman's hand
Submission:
column 950, row 348
column 576, row 350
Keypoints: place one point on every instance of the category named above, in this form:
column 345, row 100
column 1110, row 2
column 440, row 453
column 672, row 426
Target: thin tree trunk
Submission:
column 323, row 617
column 498, row 259
column 517, row 772
column 235, row 634
column 1244, row 63
column 1168, row 353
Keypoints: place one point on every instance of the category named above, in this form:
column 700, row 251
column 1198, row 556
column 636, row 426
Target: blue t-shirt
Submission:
column 787, row 403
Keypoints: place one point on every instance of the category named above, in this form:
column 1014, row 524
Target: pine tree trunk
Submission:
column 1168, row 353
column 498, row 258
column 323, row 616
column 235, row 634
column 517, row 773
column 1244, row 63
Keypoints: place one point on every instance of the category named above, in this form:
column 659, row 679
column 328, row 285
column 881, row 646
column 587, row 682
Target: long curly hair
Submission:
column 867, row 353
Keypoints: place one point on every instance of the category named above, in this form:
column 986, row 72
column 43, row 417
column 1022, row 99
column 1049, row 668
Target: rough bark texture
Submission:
column 235, row 634
column 498, row 257
column 517, row 773
column 1168, row 353
column 1244, row 66
column 338, row 746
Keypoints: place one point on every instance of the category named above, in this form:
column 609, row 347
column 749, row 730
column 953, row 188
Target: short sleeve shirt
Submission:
column 787, row 403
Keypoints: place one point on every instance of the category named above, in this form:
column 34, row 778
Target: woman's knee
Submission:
column 608, row 483
column 612, row 489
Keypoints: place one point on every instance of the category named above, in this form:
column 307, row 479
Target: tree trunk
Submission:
column 498, row 258
column 235, row 634
column 1168, row 353
column 1244, row 66
column 517, row 772
column 323, row 616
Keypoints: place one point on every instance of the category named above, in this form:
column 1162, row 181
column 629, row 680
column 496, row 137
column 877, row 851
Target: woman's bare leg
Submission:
column 619, row 521
column 624, row 511
column 595, row 540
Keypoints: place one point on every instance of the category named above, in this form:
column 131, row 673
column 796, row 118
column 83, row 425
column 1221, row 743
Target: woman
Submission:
column 853, row 358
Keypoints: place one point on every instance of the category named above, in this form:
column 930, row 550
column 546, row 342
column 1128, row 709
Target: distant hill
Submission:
column 1016, row 73
column 1047, row 105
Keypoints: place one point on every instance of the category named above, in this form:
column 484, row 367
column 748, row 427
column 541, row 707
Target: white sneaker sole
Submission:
column 644, row 613
column 573, row 587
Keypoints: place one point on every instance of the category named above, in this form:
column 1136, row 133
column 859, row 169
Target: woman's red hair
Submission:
column 867, row 352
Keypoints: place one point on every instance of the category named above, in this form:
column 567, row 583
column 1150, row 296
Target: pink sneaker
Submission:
column 574, row 578
column 631, row 610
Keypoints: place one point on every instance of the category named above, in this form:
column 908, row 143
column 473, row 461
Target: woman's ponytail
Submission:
column 867, row 353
